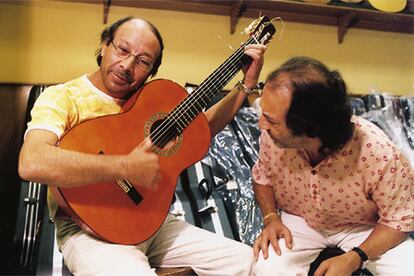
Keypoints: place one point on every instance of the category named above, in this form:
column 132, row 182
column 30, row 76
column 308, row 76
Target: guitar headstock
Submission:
column 261, row 30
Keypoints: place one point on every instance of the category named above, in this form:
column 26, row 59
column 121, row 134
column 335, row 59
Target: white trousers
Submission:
column 308, row 243
column 177, row 243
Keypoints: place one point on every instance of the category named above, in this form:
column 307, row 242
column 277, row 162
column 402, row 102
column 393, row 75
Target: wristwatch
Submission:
column 245, row 89
column 361, row 254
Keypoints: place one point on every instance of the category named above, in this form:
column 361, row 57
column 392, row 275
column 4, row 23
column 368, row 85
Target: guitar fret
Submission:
column 180, row 124
column 204, row 103
column 187, row 121
column 200, row 107
column 192, row 115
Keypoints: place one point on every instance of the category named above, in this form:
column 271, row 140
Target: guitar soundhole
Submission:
column 163, row 134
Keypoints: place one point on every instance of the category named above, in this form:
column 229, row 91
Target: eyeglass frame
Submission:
column 137, row 60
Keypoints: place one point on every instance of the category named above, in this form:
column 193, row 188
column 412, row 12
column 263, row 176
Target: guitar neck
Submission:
column 210, row 87
column 193, row 104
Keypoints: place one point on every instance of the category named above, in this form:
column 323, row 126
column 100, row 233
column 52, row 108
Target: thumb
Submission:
column 147, row 145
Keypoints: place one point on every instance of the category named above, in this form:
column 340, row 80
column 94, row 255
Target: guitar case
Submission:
column 207, row 205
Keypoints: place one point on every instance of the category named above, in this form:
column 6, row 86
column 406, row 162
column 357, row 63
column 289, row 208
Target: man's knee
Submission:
column 287, row 263
column 265, row 266
column 245, row 255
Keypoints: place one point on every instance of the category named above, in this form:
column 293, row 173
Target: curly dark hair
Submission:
column 108, row 34
column 320, row 105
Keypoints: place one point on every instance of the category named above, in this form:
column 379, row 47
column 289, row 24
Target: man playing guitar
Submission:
column 131, row 51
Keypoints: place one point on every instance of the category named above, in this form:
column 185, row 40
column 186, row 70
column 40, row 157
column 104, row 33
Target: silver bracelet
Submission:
column 240, row 85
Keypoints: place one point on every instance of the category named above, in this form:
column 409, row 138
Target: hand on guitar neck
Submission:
column 141, row 166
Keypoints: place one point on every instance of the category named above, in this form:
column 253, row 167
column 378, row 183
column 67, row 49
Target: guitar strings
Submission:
column 215, row 80
column 235, row 55
column 190, row 103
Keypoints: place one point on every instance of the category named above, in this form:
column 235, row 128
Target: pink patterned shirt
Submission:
column 368, row 181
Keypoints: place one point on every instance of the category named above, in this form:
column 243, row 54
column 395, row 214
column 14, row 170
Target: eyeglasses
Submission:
column 124, row 53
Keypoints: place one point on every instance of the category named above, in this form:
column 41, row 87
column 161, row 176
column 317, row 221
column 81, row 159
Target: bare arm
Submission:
column 265, row 198
column 41, row 161
column 381, row 239
column 273, row 226
column 223, row 112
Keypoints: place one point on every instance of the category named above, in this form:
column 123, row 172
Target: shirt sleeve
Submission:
column 52, row 111
column 394, row 194
column 261, row 171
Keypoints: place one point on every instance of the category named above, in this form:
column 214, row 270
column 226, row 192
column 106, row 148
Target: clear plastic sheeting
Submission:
column 391, row 116
column 407, row 105
column 357, row 106
column 232, row 154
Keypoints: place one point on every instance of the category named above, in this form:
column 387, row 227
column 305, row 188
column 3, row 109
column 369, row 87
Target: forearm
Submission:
column 265, row 198
column 51, row 165
column 224, row 111
column 381, row 239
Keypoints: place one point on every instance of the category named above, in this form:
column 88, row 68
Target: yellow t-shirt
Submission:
column 60, row 108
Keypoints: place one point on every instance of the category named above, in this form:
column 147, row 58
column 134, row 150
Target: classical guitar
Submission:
column 164, row 112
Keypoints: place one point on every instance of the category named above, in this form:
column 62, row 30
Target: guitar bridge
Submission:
column 130, row 190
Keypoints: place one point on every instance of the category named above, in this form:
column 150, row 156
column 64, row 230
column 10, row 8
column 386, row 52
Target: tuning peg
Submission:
column 252, row 26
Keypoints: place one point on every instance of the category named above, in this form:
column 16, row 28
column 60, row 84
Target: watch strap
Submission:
column 240, row 85
column 361, row 253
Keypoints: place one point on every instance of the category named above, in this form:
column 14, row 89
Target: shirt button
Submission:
column 314, row 172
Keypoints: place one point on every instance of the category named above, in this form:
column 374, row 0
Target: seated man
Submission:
column 338, row 179
column 131, row 52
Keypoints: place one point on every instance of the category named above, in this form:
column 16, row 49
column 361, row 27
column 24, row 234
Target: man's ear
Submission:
column 104, row 46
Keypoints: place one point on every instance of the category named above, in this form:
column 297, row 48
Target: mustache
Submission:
column 125, row 74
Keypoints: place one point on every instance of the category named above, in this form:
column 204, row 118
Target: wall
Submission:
column 53, row 41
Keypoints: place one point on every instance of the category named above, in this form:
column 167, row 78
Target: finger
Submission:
column 258, row 49
column 275, row 245
column 256, row 249
column 157, row 180
column 253, row 53
column 288, row 239
column 264, row 244
column 147, row 144
column 321, row 270
column 152, row 184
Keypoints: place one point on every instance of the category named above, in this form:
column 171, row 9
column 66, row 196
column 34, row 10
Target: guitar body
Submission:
column 104, row 209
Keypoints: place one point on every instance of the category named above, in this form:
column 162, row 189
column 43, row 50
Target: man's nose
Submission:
column 128, row 63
